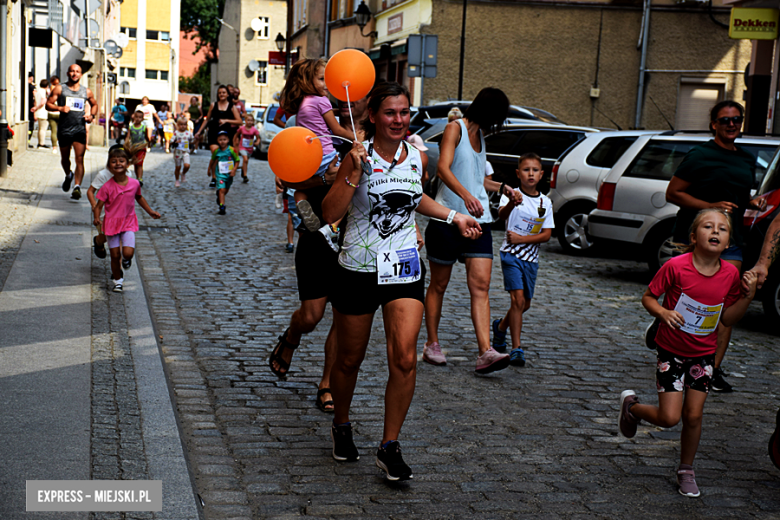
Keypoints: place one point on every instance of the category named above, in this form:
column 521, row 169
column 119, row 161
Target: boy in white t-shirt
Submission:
column 181, row 143
column 529, row 223
column 99, row 242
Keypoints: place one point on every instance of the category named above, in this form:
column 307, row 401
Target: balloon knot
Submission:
column 309, row 139
column 345, row 84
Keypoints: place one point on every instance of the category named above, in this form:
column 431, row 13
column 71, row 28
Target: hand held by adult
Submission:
column 760, row 272
column 467, row 226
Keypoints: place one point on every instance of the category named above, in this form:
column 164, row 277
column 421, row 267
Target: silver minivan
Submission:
column 632, row 206
column 575, row 181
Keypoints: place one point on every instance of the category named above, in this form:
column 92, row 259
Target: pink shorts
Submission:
column 127, row 238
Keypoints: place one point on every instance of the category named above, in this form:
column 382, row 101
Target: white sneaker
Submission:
column 118, row 285
column 177, row 184
column 330, row 237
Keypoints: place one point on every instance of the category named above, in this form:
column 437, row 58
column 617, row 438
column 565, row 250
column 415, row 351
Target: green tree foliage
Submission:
column 201, row 18
column 199, row 83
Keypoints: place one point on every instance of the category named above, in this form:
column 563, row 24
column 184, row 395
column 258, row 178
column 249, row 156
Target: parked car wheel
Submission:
column 573, row 233
column 658, row 248
column 771, row 298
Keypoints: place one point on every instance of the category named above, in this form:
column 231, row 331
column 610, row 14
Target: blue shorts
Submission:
column 293, row 209
column 325, row 163
column 445, row 245
column 519, row 275
column 733, row 253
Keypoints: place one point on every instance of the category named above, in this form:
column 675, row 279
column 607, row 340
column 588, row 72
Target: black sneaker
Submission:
column 245, row 179
column 67, row 181
column 127, row 262
column 141, row 182
column 100, row 249
column 344, row 448
column 719, row 384
column 222, row 209
column 389, row 459
column 650, row 333
column 76, row 194
column 213, row 183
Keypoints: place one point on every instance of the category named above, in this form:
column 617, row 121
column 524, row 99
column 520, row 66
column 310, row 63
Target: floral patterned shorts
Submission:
column 675, row 372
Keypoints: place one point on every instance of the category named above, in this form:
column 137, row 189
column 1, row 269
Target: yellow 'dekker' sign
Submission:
column 753, row 24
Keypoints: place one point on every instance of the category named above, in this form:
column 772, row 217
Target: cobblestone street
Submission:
column 536, row 442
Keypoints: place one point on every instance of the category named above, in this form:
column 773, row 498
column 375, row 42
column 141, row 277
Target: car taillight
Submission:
column 554, row 175
column 606, row 196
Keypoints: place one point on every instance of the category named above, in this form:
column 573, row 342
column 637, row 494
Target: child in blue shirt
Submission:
column 225, row 159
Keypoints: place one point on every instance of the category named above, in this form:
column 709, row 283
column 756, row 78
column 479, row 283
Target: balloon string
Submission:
column 351, row 120
column 331, row 136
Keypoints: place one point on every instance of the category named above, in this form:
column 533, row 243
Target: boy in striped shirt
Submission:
column 529, row 222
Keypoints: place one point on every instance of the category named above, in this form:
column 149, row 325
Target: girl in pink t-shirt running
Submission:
column 701, row 291
column 245, row 140
column 119, row 196
column 306, row 96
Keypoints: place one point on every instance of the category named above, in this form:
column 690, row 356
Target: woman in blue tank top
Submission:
column 464, row 187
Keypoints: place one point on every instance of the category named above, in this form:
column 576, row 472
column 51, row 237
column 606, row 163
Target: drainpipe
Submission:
column 3, row 64
column 640, row 91
column 326, row 50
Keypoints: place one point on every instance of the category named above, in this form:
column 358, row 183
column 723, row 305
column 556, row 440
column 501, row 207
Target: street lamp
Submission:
column 280, row 42
column 362, row 17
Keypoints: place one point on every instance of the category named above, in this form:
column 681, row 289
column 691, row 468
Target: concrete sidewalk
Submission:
column 84, row 391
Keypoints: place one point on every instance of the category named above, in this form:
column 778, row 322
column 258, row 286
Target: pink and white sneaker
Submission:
column 491, row 361
column 432, row 354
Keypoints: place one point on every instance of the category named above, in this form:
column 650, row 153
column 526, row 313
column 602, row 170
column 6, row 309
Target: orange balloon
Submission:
column 294, row 154
column 350, row 68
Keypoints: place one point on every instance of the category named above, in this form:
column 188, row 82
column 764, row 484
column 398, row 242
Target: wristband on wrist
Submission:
column 501, row 189
column 350, row 184
column 451, row 216
column 324, row 182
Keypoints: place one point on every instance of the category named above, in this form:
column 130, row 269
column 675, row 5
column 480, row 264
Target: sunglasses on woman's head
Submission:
column 737, row 120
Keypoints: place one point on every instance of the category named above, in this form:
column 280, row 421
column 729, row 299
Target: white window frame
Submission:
column 262, row 74
column 265, row 32
column 126, row 30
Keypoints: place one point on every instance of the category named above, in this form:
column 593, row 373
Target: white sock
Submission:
column 119, row 282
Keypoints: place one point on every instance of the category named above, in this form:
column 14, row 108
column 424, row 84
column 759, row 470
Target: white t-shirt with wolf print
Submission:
column 381, row 214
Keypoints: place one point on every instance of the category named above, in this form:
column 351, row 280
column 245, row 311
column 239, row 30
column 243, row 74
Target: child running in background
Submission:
column 136, row 143
column 529, row 222
column 306, row 96
column 701, row 291
column 245, row 140
column 225, row 159
column 182, row 143
column 103, row 176
column 169, row 127
column 119, row 195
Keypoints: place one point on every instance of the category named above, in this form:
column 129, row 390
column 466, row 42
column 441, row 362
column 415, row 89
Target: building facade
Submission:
column 149, row 65
column 581, row 60
column 242, row 49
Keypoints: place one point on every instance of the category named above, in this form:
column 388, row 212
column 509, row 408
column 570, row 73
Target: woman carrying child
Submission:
column 119, row 196
column 702, row 293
